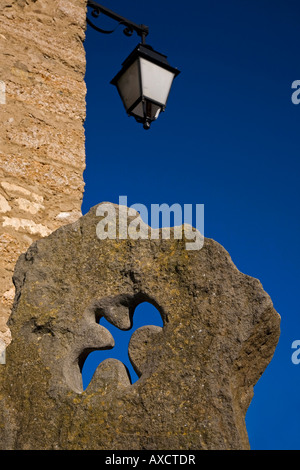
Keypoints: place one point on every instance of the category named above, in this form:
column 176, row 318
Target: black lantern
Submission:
column 146, row 78
column 144, row 83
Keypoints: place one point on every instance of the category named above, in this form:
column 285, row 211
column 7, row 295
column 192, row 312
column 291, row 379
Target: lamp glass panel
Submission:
column 152, row 110
column 138, row 110
column 129, row 85
column 156, row 81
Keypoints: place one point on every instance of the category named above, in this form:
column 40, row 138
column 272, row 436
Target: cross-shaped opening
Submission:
column 144, row 314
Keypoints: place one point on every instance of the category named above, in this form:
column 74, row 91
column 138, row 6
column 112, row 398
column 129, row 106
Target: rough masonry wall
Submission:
column 42, row 106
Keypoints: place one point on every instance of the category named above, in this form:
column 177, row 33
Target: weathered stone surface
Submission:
column 42, row 144
column 219, row 333
column 139, row 345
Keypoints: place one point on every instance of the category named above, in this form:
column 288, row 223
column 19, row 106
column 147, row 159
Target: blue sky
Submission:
column 229, row 139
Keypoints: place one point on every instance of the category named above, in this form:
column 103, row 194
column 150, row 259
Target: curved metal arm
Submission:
column 130, row 27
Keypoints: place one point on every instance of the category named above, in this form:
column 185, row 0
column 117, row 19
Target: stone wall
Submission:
column 42, row 106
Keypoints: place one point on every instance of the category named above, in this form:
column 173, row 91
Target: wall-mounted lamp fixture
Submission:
column 146, row 77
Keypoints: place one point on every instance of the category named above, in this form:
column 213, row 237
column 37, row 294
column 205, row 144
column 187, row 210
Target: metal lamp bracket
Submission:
column 129, row 29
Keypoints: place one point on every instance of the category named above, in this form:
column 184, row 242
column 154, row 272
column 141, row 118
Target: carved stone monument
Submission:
column 196, row 374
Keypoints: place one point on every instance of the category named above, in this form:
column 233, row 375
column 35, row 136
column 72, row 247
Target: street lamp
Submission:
column 146, row 77
column 144, row 84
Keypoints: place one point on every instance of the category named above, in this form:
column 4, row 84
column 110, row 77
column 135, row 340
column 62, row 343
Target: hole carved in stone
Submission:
column 133, row 322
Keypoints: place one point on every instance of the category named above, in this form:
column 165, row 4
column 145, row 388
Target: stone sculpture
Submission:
column 196, row 373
